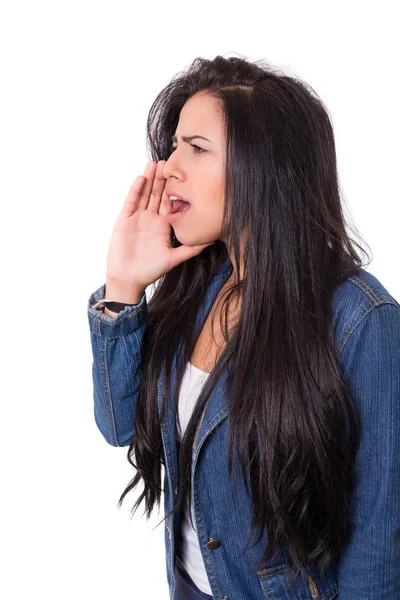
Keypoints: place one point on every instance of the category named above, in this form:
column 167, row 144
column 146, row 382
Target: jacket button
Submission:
column 213, row 543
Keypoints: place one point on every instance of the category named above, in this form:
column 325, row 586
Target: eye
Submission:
column 197, row 149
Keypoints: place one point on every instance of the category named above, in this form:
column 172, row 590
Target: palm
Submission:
column 140, row 248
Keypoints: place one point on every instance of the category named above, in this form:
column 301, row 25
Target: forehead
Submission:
column 201, row 110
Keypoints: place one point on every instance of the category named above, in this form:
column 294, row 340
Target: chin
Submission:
column 189, row 240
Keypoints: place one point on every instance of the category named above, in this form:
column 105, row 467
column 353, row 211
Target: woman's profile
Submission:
column 258, row 389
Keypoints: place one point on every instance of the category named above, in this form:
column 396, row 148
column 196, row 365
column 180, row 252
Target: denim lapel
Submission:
column 216, row 407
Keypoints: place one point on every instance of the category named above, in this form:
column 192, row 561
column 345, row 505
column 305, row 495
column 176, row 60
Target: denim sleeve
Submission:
column 369, row 564
column 116, row 349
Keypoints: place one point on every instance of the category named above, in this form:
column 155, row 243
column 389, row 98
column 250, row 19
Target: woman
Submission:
column 264, row 373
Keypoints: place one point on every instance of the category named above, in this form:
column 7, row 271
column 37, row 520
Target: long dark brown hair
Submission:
column 290, row 419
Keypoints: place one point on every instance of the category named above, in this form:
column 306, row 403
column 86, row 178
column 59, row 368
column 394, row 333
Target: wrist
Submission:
column 123, row 292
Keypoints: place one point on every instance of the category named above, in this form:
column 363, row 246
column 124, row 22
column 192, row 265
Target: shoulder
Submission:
column 362, row 299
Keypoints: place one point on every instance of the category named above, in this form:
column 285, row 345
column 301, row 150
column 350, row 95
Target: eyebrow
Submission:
column 189, row 138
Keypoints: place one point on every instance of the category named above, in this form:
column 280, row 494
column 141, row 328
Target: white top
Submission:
column 192, row 382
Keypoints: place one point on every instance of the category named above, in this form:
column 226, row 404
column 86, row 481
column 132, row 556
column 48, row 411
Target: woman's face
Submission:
column 195, row 170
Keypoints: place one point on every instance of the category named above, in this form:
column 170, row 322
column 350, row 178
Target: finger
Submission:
column 158, row 188
column 182, row 253
column 166, row 204
column 138, row 191
column 129, row 205
column 143, row 197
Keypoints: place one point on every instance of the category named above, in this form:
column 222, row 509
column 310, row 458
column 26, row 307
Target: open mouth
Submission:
column 179, row 206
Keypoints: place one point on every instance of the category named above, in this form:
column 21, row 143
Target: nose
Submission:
column 170, row 168
column 167, row 168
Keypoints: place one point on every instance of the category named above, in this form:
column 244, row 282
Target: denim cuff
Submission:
column 126, row 321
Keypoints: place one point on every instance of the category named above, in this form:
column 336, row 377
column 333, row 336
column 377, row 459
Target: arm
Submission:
column 116, row 349
column 369, row 564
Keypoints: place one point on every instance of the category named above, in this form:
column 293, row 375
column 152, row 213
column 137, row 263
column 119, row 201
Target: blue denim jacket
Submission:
column 366, row 320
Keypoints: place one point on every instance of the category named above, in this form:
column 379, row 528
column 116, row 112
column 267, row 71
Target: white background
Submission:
column 77, row 81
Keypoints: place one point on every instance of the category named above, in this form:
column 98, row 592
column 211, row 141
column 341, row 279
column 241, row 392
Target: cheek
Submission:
column 209, row 201
column 211, row 207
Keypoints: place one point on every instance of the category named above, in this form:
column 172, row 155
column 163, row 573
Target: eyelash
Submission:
column 197, row 150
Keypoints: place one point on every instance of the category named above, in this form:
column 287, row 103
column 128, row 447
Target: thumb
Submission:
column 183, row 252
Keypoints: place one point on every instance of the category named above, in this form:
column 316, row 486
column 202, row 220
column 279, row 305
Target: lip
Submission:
column 172, row 193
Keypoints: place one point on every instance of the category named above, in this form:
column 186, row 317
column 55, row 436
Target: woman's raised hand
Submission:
column 140, row 250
